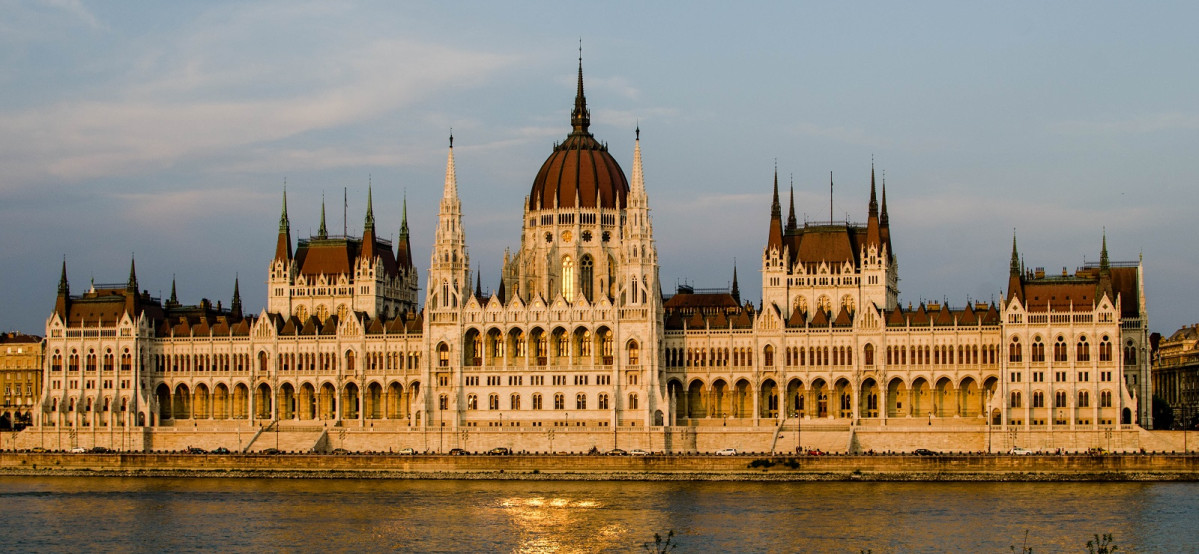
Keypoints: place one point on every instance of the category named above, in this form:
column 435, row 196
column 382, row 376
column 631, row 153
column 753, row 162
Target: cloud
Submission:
column 1141, row 124
column 77, row 9
column 188, row 106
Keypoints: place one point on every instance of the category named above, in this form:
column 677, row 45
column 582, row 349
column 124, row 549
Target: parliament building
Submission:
column 578, row 347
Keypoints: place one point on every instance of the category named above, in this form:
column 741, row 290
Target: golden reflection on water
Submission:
column 560, row 524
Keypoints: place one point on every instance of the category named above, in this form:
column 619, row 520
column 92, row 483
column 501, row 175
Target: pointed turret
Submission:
column 449, row 264
column 403, row 248
column 174, row 299
column 736, row 291
column 64, row 288
column 451, row 178
column 369, row 222
column 235, row 305
column 322, row 232
column 775, row 240
column 884, row 224
column 1015, row 284
column 368, row 229
column 792, row 224
column 64, row 293
column 874, row 235
column 479, row 286
column 500, row 293
column 131, row 285
column 283, row 244
column 638, row 186
column 1104, row 287
column 882, row 218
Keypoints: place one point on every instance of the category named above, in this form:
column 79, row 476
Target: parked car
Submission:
column 923, row 452
column 500, row 451
column 220, row 450
column 196, row 450
column 726, row 452
column 638, row 452
column 100, row 450
column 457, row 452
column 339, row 451
column 78, row 450
column 617, row 452
column 270, row 451
column 1017, row 451
column 407, row 452
column 38, row 449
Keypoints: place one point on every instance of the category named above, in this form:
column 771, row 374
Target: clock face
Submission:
column 566, row 236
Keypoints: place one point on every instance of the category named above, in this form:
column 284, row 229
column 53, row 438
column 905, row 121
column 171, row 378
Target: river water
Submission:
column 168, row 514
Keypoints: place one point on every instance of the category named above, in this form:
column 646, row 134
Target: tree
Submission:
column 1163, row 414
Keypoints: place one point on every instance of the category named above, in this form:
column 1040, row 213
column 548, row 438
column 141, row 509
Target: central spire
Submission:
column 580, row 117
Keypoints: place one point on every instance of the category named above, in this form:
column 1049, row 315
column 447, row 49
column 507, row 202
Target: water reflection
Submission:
column 457, row 516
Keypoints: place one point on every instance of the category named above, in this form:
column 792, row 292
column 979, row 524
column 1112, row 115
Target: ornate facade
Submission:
column 578, row 336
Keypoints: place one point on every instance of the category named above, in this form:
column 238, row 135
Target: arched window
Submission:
column 1015, row 353
column 1130, row 353
column 1038, row 350
column 443, row 355
column 1015, row 400
column 443, row 402
column 568, row 279
column 1105, row 350
column 536, row 401
column 514, row 401
column 1083, row 350
column 559, row 401
column 1038, row 399
column 580, row 401
column 768, row 356
column 1059, row 399
column 472, row 402
column 1059, row 350
column 602, row 401
column 587, row 276
column 634, row 353
column 1084, row 399
column 632, row 401
column 493, row 401
column 868, row 355
column 1105, row 399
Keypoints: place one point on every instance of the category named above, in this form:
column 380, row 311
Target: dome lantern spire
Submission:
column 580, row 117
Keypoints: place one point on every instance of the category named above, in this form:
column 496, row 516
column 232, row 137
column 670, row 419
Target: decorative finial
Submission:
column 451, row 137
column 638, row 129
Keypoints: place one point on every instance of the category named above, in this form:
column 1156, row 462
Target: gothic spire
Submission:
column 791, row 222
column 873, row 198
column 1015, row 265
column 284, row 224
column 638, row 174
column 580, row 117
column 322, row 232
column 775, row 238
column 174, row 297
column 735, row 292
column 64, row 288
column 882, row 218
column 370, row 211
column 235, row 305
column 1104, row 264
column 283, row 244
column 479, row 285
column 451, row 179
column 131, row 286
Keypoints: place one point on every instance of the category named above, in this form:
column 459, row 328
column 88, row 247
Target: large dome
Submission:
column 580, row 170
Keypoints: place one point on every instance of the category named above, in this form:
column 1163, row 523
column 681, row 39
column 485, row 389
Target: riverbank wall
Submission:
column 598, row 467
column 767, row 440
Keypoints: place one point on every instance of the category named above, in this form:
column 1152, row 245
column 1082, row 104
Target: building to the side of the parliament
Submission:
column 578, row 348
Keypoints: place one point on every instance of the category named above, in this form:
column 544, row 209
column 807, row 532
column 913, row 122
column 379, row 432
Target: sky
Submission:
column 165, row 131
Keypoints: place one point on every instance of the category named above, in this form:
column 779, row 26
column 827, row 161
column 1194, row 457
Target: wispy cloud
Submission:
column 1141, row 124
column 78, row 10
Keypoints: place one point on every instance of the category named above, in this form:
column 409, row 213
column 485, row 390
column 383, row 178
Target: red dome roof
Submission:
column 580, row 169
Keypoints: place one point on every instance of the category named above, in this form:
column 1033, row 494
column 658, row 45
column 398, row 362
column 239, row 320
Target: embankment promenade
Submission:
column 1069, row 467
